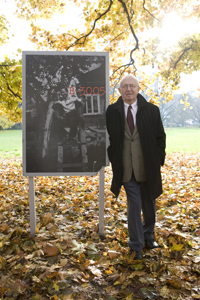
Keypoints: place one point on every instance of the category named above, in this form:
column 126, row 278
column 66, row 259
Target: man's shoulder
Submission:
column 115, row 105
column 144, row 103
column 153, row 107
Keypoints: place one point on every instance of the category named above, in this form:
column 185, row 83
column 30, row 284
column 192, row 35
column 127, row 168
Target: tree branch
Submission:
column 149, row 11
column 84, row 37
column 9, row 88
column 132, row 31
column 184, row 51
column 116, row 37
column 15, row 94
column 126, row 67
column 132, row 61
column 191, row 46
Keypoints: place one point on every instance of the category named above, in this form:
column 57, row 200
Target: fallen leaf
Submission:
column 137, row 273
column 46, row 219
column 50, row 250
column 95, row 271
column 165, row 292
column 176, row 283
column 18, row 286
column 113, row 254
column 177, row 247
column 4, row 227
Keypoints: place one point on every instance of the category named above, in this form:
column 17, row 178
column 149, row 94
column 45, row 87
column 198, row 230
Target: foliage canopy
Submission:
column 124, row 28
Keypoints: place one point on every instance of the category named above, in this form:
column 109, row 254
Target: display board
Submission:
column 65, row 95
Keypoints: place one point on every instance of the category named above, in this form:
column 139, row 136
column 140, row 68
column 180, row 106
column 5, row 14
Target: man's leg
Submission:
column 134, row 203
column 149, row 214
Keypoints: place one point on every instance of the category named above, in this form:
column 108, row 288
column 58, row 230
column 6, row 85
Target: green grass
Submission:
column 183, row 140
column 178, row 140
column 10, row 143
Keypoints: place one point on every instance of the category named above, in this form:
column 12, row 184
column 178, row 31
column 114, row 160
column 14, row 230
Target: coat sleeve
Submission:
column 109, row 130
column 161, row 139
column 115, row 128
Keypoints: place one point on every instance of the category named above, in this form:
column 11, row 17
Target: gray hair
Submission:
column 126, row 76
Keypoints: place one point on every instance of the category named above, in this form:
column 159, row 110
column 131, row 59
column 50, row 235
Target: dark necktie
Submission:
column 130, row 119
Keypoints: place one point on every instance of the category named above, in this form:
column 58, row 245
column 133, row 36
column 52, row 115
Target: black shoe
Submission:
column 138, row 254
column 151, row 244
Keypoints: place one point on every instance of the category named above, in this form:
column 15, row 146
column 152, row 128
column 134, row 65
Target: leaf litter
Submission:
column 68, row 260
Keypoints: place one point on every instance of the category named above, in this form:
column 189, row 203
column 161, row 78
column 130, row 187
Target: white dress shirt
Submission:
column 133, row 110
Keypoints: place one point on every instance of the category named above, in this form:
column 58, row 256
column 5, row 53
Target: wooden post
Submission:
column 32, row 205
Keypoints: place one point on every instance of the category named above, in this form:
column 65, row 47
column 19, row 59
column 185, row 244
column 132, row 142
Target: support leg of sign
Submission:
column 101, row 202
column 32, row 205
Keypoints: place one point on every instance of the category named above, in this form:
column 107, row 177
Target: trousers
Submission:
column 140, row 229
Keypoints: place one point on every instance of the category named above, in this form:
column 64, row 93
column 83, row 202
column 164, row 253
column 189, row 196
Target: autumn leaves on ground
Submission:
column 68, row 260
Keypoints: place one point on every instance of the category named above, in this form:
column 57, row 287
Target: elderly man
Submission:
column 136, row 153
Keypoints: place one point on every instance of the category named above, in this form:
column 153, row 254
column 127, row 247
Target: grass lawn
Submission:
column 183, row 139
column 178, row 140
column 10, row 143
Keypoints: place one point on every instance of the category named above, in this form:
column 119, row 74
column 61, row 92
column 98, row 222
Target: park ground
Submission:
column 68, row 260
column 180, row 139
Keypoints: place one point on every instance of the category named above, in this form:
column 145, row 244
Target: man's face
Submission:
column 65, row 80
column 63, row 94
column 129, row 90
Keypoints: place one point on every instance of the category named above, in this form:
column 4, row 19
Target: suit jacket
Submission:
column 152, row 138
column 132, row 156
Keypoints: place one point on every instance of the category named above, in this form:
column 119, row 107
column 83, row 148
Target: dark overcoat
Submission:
column 152, row 138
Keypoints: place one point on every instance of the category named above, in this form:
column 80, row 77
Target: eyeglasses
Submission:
column 132, row 86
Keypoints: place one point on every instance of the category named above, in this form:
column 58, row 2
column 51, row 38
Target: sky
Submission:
column 18, row 28
column 21, row 30
column 173, row 27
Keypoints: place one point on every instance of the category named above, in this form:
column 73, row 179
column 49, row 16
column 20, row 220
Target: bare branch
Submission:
column 84, row 37
column 149, row 12
column 125, row 67
column 132, row 31
column 184, row 51
column 132, row 61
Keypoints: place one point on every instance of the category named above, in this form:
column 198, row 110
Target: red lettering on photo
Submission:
column 71, row 90
column 82, row 90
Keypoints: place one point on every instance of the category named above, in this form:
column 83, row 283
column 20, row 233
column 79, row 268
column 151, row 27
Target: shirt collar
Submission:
column 134, row 105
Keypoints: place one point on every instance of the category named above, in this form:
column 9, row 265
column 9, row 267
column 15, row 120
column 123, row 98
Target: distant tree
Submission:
column 167, row 110
column 194, row 101
column 183, row 108
column 10, row 81
column 11, row 89
column 5, row 122
column 196, row 111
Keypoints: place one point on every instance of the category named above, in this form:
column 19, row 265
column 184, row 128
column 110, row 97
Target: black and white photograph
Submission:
column 65, row 95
